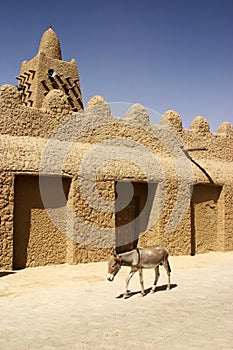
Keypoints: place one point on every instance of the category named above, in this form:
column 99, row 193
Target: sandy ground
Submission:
column 75, row 308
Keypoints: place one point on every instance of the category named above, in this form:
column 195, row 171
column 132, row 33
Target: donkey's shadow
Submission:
column 5, row 273
column 147, row 291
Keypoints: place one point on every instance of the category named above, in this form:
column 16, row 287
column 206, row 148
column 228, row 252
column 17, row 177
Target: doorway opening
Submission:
column 204, row 218
column 36, row 239
column 132, row 212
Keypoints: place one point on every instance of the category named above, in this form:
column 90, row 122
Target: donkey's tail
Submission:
column 168, row 266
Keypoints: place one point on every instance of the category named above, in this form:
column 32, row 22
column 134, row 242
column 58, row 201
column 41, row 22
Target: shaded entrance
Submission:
column 204, row 218
column 132, row 215
column 36, row 239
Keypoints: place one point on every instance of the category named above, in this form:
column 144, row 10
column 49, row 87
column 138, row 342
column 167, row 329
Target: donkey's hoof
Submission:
column 143, row 294
column 126, row 295
column 152, row 291
column 168, row 287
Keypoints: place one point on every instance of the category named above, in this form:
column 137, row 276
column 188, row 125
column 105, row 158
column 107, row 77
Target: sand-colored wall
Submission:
column 95, row 150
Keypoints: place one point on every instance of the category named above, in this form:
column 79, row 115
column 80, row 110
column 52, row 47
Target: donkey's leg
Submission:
column 130, row 275
column 157, row 274
column 141, row 281
column 168, row 269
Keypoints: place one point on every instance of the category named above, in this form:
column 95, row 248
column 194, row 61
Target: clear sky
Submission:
column 163, row 54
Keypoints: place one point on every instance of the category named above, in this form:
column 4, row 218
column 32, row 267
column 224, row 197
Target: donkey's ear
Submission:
column 113, row 252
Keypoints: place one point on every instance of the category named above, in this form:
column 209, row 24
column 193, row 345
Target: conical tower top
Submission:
column 50, row 44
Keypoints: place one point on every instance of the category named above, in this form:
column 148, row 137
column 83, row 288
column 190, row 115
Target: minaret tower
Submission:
column 47, row 71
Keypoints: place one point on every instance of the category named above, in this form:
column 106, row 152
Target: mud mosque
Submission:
column 77, row 181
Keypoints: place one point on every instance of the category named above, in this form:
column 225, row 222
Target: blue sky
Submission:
column 163, row 54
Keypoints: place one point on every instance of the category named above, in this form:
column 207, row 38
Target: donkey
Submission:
column 139, row 259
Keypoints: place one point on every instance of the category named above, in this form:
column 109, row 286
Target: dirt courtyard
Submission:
column 75, row 308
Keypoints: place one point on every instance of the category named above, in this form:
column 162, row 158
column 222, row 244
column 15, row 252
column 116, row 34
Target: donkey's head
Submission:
column 114, row 266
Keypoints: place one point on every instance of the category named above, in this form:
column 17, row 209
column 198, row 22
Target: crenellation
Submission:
column 137, row 113
column 225, row 128
column 200, row 125
column 172, row 118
